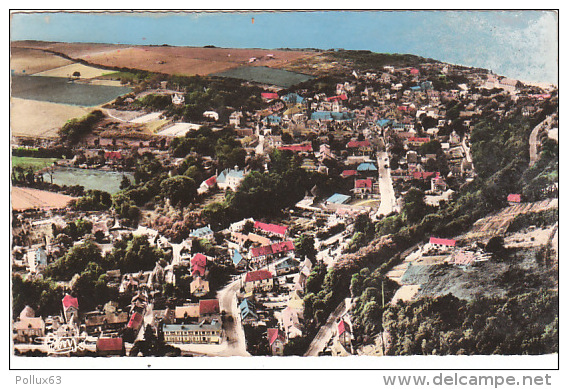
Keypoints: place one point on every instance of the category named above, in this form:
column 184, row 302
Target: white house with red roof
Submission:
column 363, row 187
column 441, row 244
column 209, row 308
column 276, row 341
column 258, row 280
column 271, row 229
column 70, row 309
column 207, row 185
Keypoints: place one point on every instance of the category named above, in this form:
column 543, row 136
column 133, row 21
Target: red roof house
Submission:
column 442, row 242
column 136, row 321
column 424, row 175
column 269, row 95
column 341, row 97
column 358, row 144
column 364, row 184
column 275, row 248
column 271, row 228
column 70, row 301
column 343, row 327
column 514, row 198
column 209, row 307
column 211, row 181
column 306, row 147
column 414, row 71
column 348, row 173
column 198, row 264
column 110, row 346
column 258, row 275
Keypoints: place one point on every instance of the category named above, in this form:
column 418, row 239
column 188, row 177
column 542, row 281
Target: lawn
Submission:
column 34, row 163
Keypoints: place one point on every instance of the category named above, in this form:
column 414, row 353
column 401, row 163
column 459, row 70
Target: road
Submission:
column 326, row 331
column 388, row 197
column 234, row 332
column 533, row 140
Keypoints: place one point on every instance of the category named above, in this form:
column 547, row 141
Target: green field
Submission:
column 34, row 163
column 62, row 91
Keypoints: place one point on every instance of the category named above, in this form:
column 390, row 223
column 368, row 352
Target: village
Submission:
column 384, row 144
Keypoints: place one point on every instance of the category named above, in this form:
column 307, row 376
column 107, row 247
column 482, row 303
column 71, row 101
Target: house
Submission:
column 302, row 148
column 211, row 115
column 348, row 173
column 110, row 346
column 238, row 259
column 97, row 322
column 269, row 96
column 70, row 309
column 338, row 199
column 292, row 98
column 438, row 184
column 265, row 252
column 186, row 313
column 199, row 287
column 209, row 308
column 136, row 321
column 363, row 187
column 207, row 185
column 37, row 260
column 296, row 300
column 366, row 167
column 28, row 327
column 258, row 280
column 417, row 141
column 442, row 244
column 235, row 118
column 202, row 333
column 342, row 343
column 202, row 233
column 178, row 99
column 363, row 147
column 291, row 322
column 514, row 198
column 276, row 341
column 271, row 229
column 198, row 265
column 289, row 265
column 230, row 178
column 248, row 312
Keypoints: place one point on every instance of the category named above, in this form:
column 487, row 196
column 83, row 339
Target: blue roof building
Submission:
column 328, row 115
column 248, row 311
column 384, row 122
column 237, row 258
column 292, row 98
column 366, row 167
column 338, row 198
column 202, row 233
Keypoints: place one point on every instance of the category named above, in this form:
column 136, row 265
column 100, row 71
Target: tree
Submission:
column 181, row 190
column 496, row 245
column 76, row 74
column 124, row 183
column 305, row 247
column 414, row 208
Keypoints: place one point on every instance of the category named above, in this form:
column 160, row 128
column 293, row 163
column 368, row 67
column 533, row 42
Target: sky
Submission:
column 517, row 44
